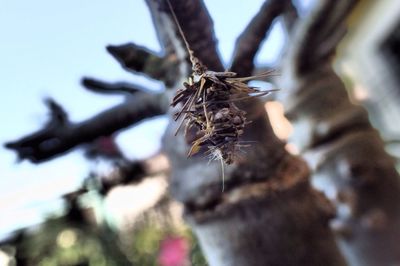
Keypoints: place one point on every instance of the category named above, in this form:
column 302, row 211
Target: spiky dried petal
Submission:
column 210, row 112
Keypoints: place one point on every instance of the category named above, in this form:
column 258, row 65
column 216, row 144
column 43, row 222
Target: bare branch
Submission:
column 161, row 31
column 346, row 152
column 112, row 88
column 197, row 25
column 290, row 15
column 104, row 147
column 250, row 40
column 58, row 116
column 316, row 38
column 54, row 140
column 122, row 174
column 139, row 59
column 132, row 172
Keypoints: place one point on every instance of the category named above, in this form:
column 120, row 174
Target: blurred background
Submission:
column 70, row 210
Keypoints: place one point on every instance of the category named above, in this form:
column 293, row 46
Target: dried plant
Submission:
column 209, row 110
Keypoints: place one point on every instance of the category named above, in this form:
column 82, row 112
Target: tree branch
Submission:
column 122, row 174
column 58, row 116
column 290, row 16
column 250, row 40
column 102, row 87
column 318, row 36
column 131, row 172
column 139, row 59
column 348, row 155
column 55, row 139
column 197, row 25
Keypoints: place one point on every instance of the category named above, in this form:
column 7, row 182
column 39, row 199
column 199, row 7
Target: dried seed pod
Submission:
column 208, row 106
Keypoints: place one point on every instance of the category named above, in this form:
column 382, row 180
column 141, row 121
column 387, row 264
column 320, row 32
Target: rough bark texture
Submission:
column 337, row 139
column 280, row 221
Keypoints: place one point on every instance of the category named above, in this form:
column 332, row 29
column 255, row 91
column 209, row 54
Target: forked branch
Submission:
column 56, row 138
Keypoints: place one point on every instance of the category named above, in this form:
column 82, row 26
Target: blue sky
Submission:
column 46, row 47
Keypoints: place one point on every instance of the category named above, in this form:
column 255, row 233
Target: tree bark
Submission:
column 269, row 214
column 337, row 139
column 280, row 221
column 259, row 219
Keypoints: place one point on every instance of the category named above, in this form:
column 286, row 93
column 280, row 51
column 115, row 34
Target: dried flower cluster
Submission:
column 208, row 107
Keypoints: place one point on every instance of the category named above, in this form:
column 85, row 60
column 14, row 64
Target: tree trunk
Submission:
column 274, row 222
column 337, row 139
column 268, row 214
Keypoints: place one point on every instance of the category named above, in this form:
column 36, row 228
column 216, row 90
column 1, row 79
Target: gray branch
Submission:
column 139, row 59
column 197, row 25
column 250, row 40
column 317, row 37
column 56, row 139
column 103, row 87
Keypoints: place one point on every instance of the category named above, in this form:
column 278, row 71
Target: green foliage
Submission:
column 146, row 242
column 61, row 243
column 196, row 254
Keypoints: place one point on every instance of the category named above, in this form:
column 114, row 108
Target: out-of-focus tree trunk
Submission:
column 268, row 213
column 337, row 139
